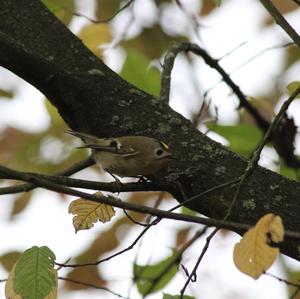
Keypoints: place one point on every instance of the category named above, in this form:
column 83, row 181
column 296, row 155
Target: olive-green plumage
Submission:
column 128, row 156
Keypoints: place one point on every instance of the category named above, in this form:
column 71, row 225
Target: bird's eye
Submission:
column 114, row 143
column 159, row 152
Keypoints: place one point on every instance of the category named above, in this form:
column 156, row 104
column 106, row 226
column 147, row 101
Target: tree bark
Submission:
column 92, row 98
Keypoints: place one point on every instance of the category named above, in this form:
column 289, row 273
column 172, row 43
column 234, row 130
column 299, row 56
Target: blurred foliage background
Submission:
column 133, row 42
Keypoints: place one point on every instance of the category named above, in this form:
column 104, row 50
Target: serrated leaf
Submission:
column 33, row 276
column 253, row 255
column 243, row 139
column 292, row 88
column 169, row 296
column 89, row 212
column 137, row 71
column 152, row 278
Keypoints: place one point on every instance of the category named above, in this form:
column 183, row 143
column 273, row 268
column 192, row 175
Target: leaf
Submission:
column 144, row 77
column 107, row 8
column 253, row 255
column 243, row 139
column 6, row 94
column 168, row 296
column 152, row 42
column 152, row 278
column 33, row 276
column 94, row 35
column 8, row 259
column 62, row 9
column 292, row 88
column 89, row 212
column 20, row 203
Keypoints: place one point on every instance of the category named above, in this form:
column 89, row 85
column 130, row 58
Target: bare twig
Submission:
column 7, row 173
column 193, row 274
column 251, row 165
column 189, row 47
column 281, row 21
column 127, row 4
column 292, row 284
column 29, row 186
column 250, row 59
column 133, row 220
column 256, row 154
column 176, row 260
column 91, row 286
column 154, row 222
column 130, row 206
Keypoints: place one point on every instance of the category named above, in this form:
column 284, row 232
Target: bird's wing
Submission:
column 86, row 137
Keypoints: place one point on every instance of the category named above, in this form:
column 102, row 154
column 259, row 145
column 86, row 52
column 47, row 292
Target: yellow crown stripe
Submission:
column 165, row 146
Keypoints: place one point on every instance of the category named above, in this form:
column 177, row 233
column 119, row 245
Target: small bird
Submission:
column 127, row 156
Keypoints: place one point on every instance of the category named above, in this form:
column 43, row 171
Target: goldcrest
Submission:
column 127, row 156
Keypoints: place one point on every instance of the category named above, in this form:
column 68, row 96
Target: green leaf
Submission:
column 187, row 211
column 138, row 72
column 35, row 277
column 62, row 9
column 243, row 139
column 169, row 296
column 152, row 278
column 292, row 88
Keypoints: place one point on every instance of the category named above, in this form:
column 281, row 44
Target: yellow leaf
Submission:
column 9, row 286
column 253, row 255
column 89, row 212
column 292, row 88
column 94, row 35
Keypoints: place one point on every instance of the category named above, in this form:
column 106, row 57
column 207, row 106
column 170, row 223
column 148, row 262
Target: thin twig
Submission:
column 154, row 222
column 256, row 154
column 292, row 284
column 133, row 220
column 250, row 59
column 127, row 4
column 281, row 21
column 91, row 286
column 193, row 274
column 131, row 206
column 176, row 259
column 250, row 167
column 6, row 173
column 190, row 47
column 29, row 186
